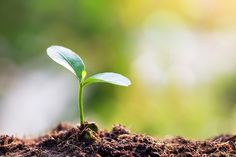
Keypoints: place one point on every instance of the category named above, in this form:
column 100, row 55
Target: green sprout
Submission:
column 75, row 64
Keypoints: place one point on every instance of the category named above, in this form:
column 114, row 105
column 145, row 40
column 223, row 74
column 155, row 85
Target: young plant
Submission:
column 75, row 64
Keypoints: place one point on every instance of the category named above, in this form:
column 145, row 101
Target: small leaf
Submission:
column 68, row 59
column 84, row 73
column 108, row 77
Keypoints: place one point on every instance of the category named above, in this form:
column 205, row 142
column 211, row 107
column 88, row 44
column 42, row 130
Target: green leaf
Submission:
column 68, row 59
column 108, row 77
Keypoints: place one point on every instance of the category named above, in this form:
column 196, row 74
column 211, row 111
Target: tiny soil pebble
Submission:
column 66, row 140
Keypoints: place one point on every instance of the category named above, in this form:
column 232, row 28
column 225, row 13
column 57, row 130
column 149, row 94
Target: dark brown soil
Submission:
column 66, row 140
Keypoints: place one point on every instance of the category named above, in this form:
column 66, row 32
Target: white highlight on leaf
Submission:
column 109, row 77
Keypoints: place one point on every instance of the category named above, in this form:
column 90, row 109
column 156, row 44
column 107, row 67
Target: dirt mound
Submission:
column 66, row 140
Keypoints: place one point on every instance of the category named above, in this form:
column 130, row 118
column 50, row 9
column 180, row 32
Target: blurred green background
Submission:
column 180, row 56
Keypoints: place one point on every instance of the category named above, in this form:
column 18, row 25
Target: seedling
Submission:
column 75, row 64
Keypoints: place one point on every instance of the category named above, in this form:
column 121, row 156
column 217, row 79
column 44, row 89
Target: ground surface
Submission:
column 66, row 140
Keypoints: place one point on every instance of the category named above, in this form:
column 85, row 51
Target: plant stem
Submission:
column 80, row 104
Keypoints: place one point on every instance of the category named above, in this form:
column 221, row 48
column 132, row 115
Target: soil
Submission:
column 67, row 140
